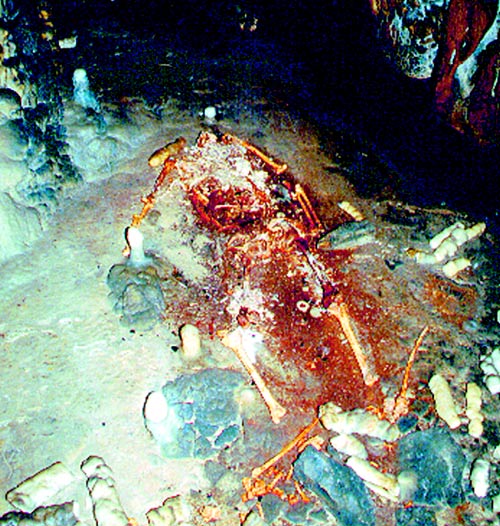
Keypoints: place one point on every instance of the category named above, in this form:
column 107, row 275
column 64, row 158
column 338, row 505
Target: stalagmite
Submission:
column 106, row 504
column 40, row 489
column 135, row 242
column 191, row 342
column 473, row 412
column 382, row 483
column 445, row 405
column 357, row 421
column 479, row 477
column 349, row 445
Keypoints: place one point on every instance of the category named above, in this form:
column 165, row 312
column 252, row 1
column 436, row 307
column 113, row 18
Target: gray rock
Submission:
column 12, row 143
column 348, row 236
column 435, row 463
column 137, row 294
column 415, row 516
column 203, row 415
column 10, row 105
column 340, row 490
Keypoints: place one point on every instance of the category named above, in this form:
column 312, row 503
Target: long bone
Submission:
column 339, row 310
column 234, row 341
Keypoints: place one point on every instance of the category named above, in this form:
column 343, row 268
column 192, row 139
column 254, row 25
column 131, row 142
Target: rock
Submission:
column 202, row 415
column 456, row 43
column 214, row 471
column 137, row 294
column 98, row 143
column 415, row 516
column 21, row 225
column 12, row 144
column 57, row 515
column 173, row 512
column 434, row 464
column 339, row 489
column 11, row 173
column 272, row 506
column 10, row 105
column 348, row 236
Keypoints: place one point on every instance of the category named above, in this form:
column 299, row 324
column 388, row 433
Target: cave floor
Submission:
column 74, row 379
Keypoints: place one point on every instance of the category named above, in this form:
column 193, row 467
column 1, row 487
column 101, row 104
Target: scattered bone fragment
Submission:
column 455, row 266
column 473, row 411
column 296, row 442
column 159, row 156
column 302, row 306
column 400, row 405
column 364, row 359
column 277, row 167
column 384, row 484
column 408, row 484
column 445, row 405
column 300, row 195
column 233, row 340
column 191, row 341
column 174, row 511
column 357, row 421
column 41, row 488
column 479, row 477
column 315, row 312
column 210, row 513
column 106, row 504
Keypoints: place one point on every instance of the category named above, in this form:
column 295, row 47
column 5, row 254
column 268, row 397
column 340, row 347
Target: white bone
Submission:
column 233, row 340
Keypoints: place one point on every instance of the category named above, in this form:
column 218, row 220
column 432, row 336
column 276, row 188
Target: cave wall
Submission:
column 456, row 44
column 34, row 168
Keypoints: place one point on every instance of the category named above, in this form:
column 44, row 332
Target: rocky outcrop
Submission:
column 456, row 44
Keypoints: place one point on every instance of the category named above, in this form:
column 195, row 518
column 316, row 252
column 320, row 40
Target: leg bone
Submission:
column 339, row 310
column 233, row 340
